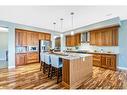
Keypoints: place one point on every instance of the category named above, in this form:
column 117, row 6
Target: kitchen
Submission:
column 85, row 56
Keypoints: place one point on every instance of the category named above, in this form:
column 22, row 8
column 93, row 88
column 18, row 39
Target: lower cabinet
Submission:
column 105, row 61
column 21, row 59
column 26, row 58
column 32, row 57
column 97, row 60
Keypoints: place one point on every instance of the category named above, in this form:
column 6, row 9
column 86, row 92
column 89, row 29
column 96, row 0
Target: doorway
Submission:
column 3, row 47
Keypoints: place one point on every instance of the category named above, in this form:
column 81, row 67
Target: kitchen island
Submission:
column 76, row 68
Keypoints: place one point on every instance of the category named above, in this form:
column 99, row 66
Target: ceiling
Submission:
column 44, row 16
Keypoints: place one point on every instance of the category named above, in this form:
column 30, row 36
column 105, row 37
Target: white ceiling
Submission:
column 44, row 16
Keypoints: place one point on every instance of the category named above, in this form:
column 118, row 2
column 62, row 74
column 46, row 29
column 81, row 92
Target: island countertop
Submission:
column 69, row 56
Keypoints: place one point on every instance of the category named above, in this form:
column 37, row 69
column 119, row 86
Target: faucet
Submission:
column 102, row 50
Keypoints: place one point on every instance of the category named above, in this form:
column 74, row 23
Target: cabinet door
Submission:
column 73, row 40
column 17, row 38
column 24, row 38
column 92, row 38
column 77, row 39
column 41, row 36
column 103, row 61
column 32, row 57
column 68, row 40
column 21, row 37
column 20, row 59
column 29, row 38
column 35, row 39
column 97, row 60
column 98, row 38
column 47, row 37
column 111, row 61
column 115, row 36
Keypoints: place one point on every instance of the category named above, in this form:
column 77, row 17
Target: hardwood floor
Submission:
column 29, row 77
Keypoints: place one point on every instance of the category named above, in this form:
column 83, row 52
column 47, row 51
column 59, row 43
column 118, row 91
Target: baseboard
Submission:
column 121, row 68
column 11, row 67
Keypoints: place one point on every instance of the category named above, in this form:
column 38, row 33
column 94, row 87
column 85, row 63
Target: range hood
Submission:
column 85, row 37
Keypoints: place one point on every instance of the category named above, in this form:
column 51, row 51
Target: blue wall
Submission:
column 123, row 44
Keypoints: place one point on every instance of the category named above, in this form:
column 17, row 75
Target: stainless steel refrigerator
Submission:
column 44, row 46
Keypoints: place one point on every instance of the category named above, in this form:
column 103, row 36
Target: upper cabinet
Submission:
column 69, row 40
column 73, row 40
column 77, row 39
column 32, row 38
column 47, row 36
column 25, row 37
column 41, row 36
column 104, row 37
column 21, row 38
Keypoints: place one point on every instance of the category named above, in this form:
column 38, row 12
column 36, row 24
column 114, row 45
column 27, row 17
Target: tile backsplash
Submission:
column 88, row 47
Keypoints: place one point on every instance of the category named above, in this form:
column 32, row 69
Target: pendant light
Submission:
column 61, row 20
column 54, row 24
column 72, row 14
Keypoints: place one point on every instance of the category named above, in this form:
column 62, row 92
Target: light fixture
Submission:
column 72, row 13
column 61, row 35
column 54, row 24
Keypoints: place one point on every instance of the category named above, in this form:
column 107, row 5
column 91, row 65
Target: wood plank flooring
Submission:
column 29, row 77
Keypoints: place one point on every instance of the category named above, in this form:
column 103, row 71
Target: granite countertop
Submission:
column 91, row 52
column 70, row 56
column 27, row 52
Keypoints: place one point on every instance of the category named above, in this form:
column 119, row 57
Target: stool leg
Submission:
column 41, row 66
column 57, row 74
column 49, row 70
column 44, row 68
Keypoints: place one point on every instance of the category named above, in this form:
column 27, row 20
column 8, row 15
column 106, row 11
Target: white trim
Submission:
column 11, row 67
column 122, row 68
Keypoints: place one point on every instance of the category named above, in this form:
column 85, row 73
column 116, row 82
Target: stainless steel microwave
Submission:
column 32, row 48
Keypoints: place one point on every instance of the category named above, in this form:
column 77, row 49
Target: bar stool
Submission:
column 56, row 66
column 42, row 56
column 47, row 65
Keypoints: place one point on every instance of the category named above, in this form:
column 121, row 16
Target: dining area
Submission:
column 69, row 69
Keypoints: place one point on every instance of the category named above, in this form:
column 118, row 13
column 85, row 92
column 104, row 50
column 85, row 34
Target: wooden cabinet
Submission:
column 68, row 40
column 92, row 38
column 47, row 36
column 111, row 61
column 35, row 39
column 73, row 40
column 77, row 39
column 32, row 57
column 97, row 60
column 105, row 60
column 29, row 38
column 32, row 38
column 21, row 38
column 41, row 36
column 20, row 59
column 104, row 37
